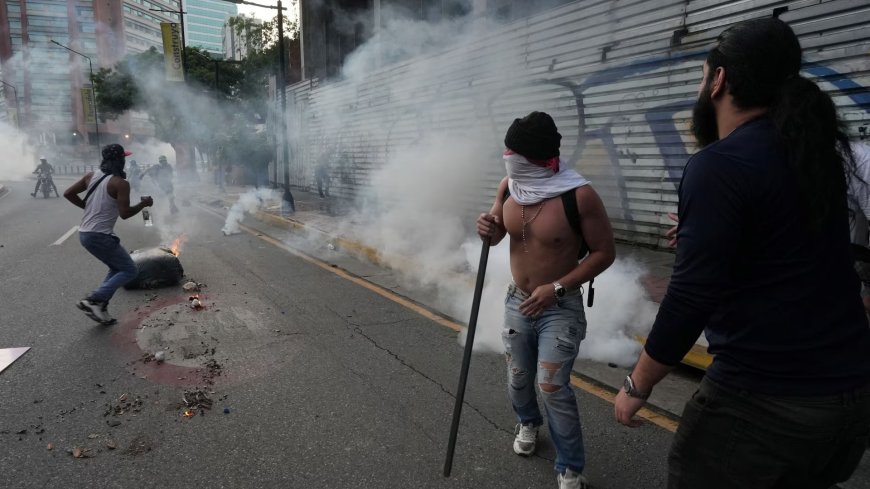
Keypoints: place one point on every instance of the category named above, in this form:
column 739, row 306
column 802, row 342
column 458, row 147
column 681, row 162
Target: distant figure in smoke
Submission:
column 135, row 175
column 107, row 197
column 544, row 316
column 764, row 264
column 45, row 172
column 859, row 207
column 321, row 174
column 162, row 174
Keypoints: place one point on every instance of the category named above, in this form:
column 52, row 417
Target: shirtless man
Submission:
column 544, row 317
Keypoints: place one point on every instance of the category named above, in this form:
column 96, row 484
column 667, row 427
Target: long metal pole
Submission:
column 93, row 90
column 466, row 356
column 183, row 40
column 288, row 196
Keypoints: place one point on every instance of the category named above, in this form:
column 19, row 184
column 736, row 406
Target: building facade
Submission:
column 53, row 83
column 204, row 23
column 236, row 43
column 142, row 20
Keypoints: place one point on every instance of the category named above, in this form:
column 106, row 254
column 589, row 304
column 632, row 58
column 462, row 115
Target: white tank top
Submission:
column 101, row 209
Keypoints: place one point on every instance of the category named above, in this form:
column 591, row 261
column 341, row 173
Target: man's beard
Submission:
column 704, row 126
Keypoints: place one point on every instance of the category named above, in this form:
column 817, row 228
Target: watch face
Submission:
column 626, row 384
column 560, row 290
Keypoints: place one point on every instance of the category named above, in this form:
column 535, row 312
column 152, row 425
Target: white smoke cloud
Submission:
column 17, row 157
column 428, row 165
column 248, row 202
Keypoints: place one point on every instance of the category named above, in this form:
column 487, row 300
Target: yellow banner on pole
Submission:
column 173, row 54
column 88, row 106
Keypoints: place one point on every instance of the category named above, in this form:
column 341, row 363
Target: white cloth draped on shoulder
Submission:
column 529, row 183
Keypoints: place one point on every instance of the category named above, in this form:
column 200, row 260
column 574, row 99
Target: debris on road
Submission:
column 160, row 356
column 124, row 405
column 139, row 445
column 226, row 410
column 212, row 369
column 196, row 399
column 79, row 452
column 188, row 413
column 110, row 444
column 195, row 303
column 50, row 446
column 191, row 287
column 113, row 423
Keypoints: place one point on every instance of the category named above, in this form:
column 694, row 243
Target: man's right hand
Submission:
column 671, row 234
column 146, row 201
column 487, row 226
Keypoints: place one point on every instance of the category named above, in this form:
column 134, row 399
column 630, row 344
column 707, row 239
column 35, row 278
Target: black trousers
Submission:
column 730, row 439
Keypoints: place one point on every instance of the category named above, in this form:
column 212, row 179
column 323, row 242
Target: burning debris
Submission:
column 196, row 399
column 158, row 267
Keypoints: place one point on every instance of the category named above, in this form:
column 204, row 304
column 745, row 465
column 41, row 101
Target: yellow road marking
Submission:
column 596, row 390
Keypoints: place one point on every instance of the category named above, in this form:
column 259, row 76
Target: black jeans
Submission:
column 730, row 439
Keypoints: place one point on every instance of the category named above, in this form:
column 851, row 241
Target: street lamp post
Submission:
column 282, row 77
column 17, row 104
column 93, row 90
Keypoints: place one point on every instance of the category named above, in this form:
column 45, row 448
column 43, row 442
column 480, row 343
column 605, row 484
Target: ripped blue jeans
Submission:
column 541, row 350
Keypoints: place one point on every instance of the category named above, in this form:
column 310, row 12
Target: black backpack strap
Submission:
column 505, row 195
column 569, row 202
column 85, row 200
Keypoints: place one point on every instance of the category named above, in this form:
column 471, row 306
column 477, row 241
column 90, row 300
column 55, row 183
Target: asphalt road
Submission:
column 327, row 383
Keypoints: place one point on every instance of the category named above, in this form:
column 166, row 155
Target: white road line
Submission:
column 65, row 236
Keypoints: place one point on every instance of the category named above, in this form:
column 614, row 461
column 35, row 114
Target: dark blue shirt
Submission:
column 781, row 304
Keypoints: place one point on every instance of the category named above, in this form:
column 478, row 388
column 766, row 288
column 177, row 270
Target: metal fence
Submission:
column 619, row 77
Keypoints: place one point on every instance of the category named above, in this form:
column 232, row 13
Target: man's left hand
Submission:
column 543, row 297
column 625, row 407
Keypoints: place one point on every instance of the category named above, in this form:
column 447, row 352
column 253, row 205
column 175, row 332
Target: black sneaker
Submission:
column 33, row 194
column 96, row 310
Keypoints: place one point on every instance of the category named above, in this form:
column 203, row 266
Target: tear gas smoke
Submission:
column 433, row 167
column 17, row 158
column 248, row 202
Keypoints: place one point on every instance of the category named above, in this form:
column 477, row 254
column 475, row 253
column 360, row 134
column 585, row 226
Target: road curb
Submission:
column 376, row 257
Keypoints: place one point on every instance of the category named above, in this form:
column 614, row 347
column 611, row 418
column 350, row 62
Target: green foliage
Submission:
column 211, row 112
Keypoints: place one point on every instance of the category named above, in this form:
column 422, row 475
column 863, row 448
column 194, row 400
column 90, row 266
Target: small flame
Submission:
column 188, row 413
column 175, row 247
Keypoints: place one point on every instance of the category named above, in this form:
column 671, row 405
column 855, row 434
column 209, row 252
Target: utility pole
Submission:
column 93, row 92
column 282, row 81
column 17, row 104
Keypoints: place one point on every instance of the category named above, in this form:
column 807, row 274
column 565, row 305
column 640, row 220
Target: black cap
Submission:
column 534, row 136
column 114, row 152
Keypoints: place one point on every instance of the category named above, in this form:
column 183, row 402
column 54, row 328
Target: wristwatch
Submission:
column 560, row 291
column 631, row 391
